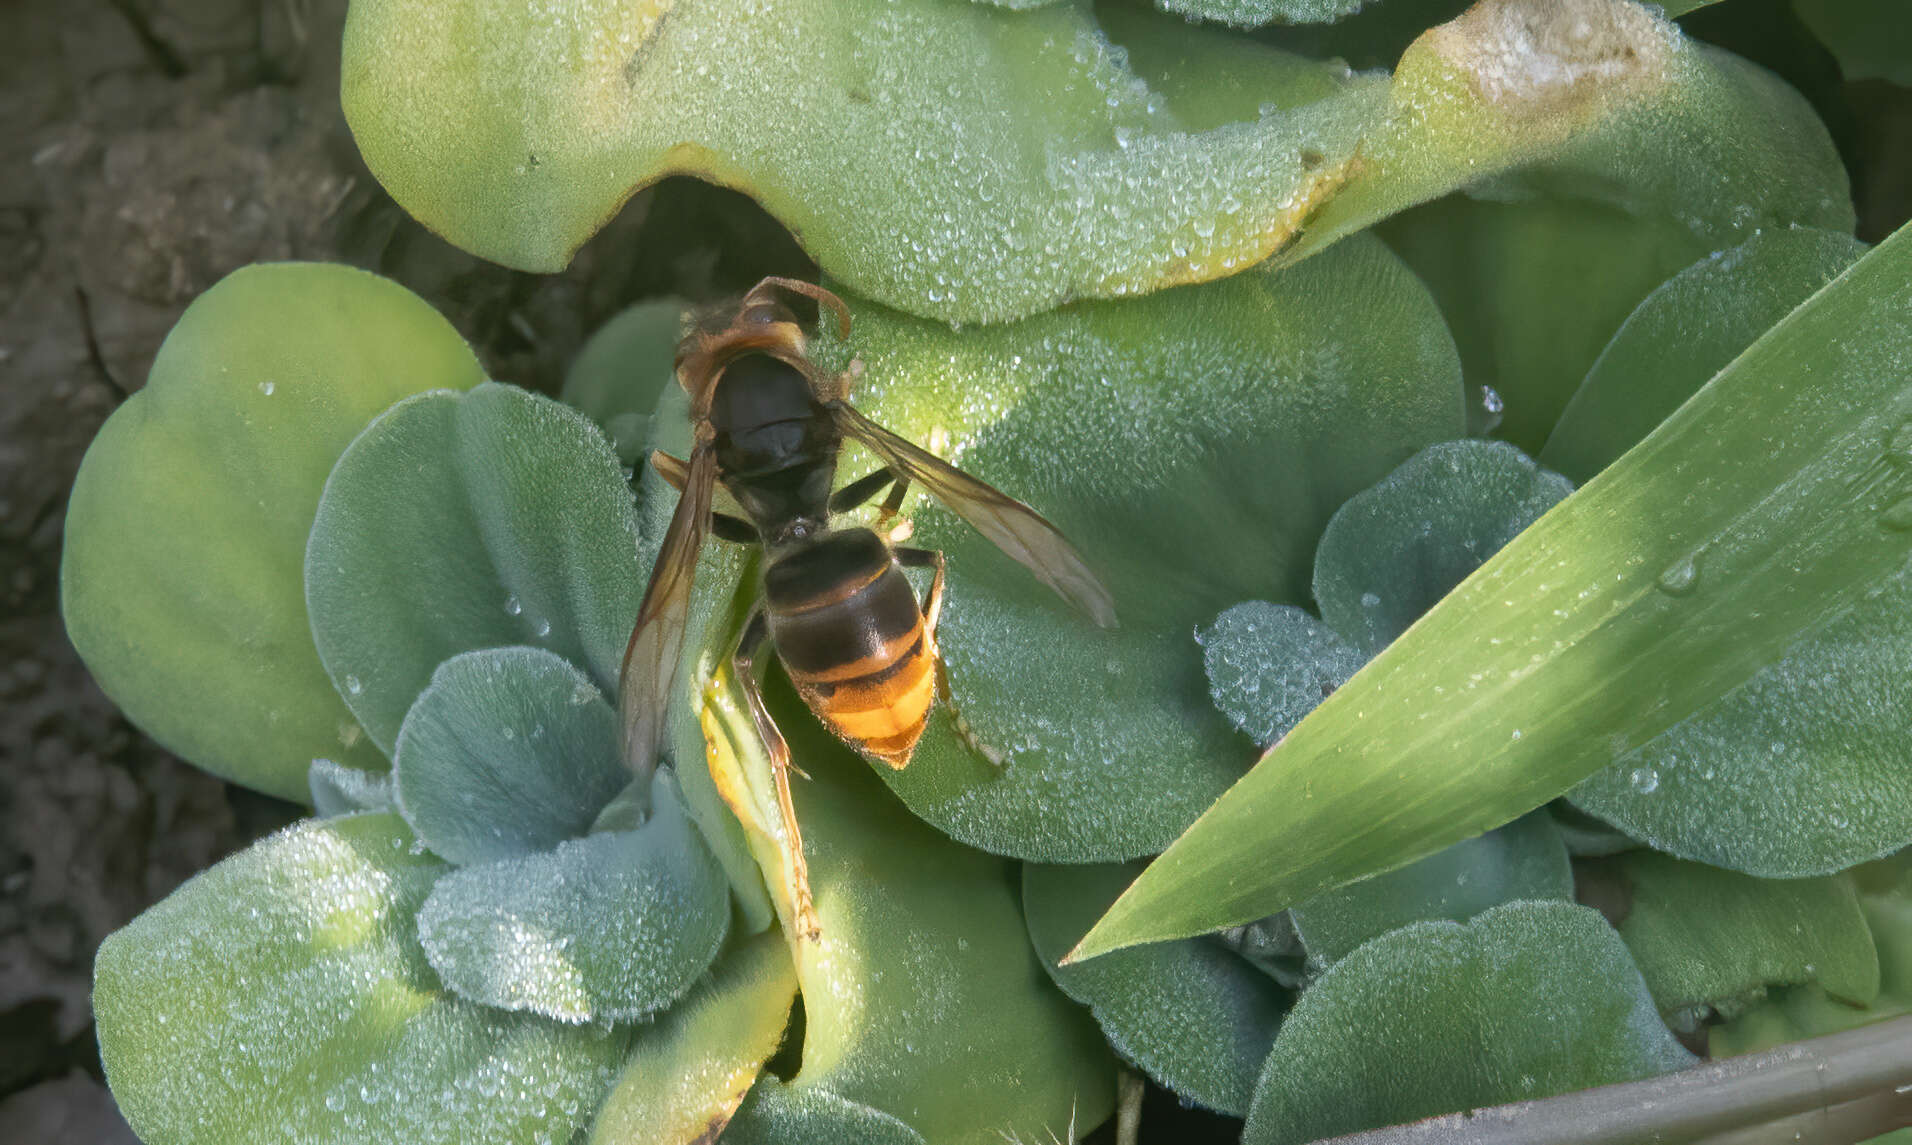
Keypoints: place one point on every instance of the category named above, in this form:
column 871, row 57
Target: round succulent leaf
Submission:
column 777, row 1114
column 1197, row 438
column 282, row 996
column 1393, row 551
column 1805, row 769
column 1528, row 1000
column 877, row 132
column 1686, row 331
column 464, row 521
column 1191, row 1014
column 690, row 1068
column 507, row 752
column 181, row 581
column 1524, row 860
column 607, row 928
column 340, row 790
column 922, row 997
column 1268, row 665
column 1793, row 1013
column 1707, row 937
column 622, row 370
column 1587, row 836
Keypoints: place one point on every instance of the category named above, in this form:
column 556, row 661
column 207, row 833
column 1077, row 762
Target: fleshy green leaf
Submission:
column 1528, row 1000
column 1193, row 1015
column 922, row 998
column 1686, row 331
column 1805, row 769
column 1623, row 111
column 1523, row 860
column 777, row 1114
column 1797, row 1012
column 1198, row 439
column 1870, row 37
column 606, row 928
column 1268, row 665
column 872, row 130
column 689, row 1069
column 340, row 790
column 1393, row 551
column 508, row 752
column 618, row 376
column 1707, row 937
column 465, row 521
column 282, row 996
column 1758, row 512
column 181, row 582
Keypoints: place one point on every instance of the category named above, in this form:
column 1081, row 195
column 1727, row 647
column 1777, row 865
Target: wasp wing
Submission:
column 657, row 640
column 1012, row 526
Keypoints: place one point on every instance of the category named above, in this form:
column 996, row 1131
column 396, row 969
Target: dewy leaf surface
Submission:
column 1706, row 937
column 922, row 998
column 1683, row 333
column 282, row 996
column 1269, row 665
column 606, row 928
column 1523, row 860
column 465, row 521
column 688, row 1070
column 1193, row 1015
column 870, row 130
column 508, row 752
column 1197, row 439
column 1529, row 1000
column 181, row 583
column 1758, row 512
column 777, row 1114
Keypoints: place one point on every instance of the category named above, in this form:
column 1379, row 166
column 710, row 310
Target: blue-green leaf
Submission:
column 1192, row 1014
column 606, row 928
column 464, row 521
column 1269, row 665
column 1528, row 1000
column 510, row 751
column 1523, row 860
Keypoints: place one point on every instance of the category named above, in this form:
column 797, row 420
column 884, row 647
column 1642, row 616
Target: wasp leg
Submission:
column 724, row 526
column 756, row 632
column 932, row 613
column 861, row 490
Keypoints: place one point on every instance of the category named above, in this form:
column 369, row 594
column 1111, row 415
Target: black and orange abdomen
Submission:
column 850, row 632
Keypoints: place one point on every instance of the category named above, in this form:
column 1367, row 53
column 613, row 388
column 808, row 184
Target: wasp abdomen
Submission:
column 848, row 629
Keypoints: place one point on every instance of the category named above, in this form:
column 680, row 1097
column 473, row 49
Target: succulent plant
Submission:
column 1501, row 461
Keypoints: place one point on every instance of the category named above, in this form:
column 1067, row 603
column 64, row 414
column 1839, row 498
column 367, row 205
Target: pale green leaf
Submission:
column 182, row 578
column 689, row 1068
column 282, row 996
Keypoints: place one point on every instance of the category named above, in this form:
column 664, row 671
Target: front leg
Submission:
column 756, row 632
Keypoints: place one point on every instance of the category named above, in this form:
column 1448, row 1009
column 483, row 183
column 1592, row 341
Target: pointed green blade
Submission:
column 1766, row 506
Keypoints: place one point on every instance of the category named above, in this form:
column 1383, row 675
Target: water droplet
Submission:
column 335, row 1102
column 513, row 606
column 353, row 685
column 1645, row 780
column 1516, row 733
column 266, row 388
column 1680, row 576
column 543, row 628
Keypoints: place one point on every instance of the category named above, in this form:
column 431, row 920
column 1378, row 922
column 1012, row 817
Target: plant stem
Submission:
column 1844, row 1087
